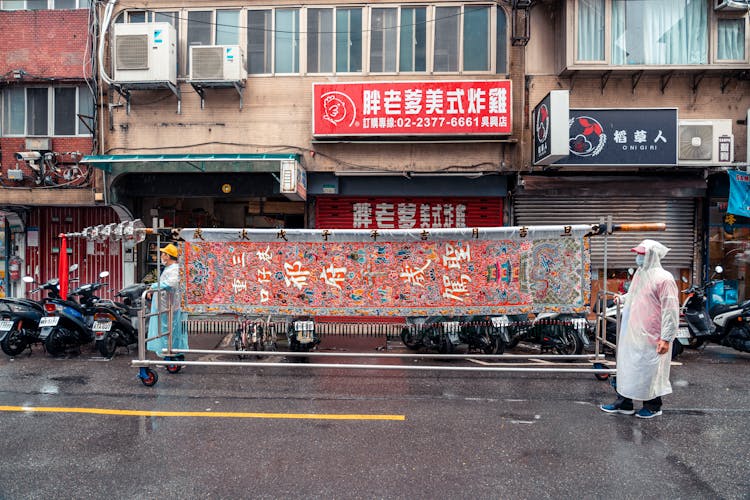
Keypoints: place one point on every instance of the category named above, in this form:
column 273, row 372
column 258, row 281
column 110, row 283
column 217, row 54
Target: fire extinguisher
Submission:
column 14, row 267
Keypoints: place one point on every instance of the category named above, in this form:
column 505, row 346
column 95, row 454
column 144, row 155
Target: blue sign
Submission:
column 602, row 137
column 157, row 36
column 739, row 193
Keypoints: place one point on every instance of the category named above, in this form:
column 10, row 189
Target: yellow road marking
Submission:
column 210, row 414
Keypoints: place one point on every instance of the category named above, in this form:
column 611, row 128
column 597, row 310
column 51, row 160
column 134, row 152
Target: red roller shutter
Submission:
column 344, row 212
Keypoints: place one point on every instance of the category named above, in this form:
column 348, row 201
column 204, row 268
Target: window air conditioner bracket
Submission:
column 665, row 79
column 696, row 81
column 200, row 88
column 124, row 89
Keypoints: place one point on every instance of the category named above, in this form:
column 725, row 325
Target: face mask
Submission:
column 639, row 259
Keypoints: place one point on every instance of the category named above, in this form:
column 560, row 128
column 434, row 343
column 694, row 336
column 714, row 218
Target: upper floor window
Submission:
column 730, row 44
column 44, row 4
column 643, row 32
column 47, row 111
column 314, row 40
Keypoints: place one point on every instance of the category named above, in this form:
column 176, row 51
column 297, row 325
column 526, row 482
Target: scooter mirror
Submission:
column 684, row 279
column 104, row 274
column 28, row 279
column 631, row 271
column 719, row 269
column 73, row 268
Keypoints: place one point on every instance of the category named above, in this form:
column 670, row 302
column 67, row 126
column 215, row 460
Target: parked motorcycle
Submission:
column 447, row 333
column 19, row 317
column 301, row 335
column 723, row 324
column 254, row 335
column 68, row 323
column 116, row 322
column 562, row 333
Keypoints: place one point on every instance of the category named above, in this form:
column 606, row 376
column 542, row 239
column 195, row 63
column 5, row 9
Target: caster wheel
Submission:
column 148, row 377
column 174, row 368
column 600, row 376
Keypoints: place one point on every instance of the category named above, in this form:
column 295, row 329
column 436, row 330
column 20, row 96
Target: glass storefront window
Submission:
column 729, row 247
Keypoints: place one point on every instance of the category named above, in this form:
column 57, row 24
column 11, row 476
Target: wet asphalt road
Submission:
column 500, row 435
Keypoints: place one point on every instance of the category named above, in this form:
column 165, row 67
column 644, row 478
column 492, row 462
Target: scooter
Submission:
column 723, row 324
column 115, row 323
column 301, row 335
column 562, row 333
column 68, row 323
column 442, row 333
column 19, row 317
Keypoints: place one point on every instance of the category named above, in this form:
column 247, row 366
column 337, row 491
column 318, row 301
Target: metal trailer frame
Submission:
column 601, row 368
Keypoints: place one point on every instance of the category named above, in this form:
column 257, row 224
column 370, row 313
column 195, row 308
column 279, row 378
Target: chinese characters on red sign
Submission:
column 412, row 108
column 407, row 213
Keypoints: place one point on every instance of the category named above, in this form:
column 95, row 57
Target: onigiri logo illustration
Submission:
column 542, row 123
column 338, row 108
column 586, row 136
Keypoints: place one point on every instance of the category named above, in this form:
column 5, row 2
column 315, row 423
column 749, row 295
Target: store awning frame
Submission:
column 167, row 163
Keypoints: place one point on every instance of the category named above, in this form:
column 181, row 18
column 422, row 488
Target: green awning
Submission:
column 250, row 162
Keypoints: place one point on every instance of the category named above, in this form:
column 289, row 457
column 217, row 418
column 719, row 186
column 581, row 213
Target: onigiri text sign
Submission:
column 412, row 108
column 622, row 137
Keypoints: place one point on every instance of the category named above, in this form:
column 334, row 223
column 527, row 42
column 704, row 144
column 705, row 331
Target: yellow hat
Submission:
column 170, row 250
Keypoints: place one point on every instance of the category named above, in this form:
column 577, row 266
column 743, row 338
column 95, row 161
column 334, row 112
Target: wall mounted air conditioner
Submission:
column 731, row 4
column 704, row 142
column 144, row 53
column 212, row 63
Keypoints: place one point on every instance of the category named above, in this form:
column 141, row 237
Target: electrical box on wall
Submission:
column 145, row 52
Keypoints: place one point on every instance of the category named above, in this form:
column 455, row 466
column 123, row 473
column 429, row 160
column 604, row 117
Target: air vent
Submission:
column 131, row 52
column 696, row 142
column 208, row 63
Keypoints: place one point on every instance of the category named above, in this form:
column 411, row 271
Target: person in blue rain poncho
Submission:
column 168, row 282
column 650, row 320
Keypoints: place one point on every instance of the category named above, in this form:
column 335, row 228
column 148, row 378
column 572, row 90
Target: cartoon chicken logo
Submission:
column 338, row 108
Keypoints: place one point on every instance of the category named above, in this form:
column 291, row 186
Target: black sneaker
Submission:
column 614, row 408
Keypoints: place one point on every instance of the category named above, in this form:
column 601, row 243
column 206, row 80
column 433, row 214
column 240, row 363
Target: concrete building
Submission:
column 48, row 121
column 413, row 114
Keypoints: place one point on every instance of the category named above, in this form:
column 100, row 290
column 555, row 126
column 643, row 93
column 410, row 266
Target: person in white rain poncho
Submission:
column 650, row 319
column 159, row 324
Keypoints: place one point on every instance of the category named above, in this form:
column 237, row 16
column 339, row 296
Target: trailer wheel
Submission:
column 148, row 377
column 600, row 376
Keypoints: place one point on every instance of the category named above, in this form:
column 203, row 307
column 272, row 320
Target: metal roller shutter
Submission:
column 677, row 213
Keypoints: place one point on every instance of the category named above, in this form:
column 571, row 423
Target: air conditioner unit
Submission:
column 704, row 142
column 144, row 53
column 731, row 4
column 212, row 63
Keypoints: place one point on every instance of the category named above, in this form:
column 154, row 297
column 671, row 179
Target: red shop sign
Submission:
column 412, row 108
column 407, row 213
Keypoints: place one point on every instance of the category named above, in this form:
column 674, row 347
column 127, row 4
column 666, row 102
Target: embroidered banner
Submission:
column 447, row 272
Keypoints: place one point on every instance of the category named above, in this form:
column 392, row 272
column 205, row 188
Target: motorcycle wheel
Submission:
column 446, row 347
column 57, row 342
column 695, row 343
column 13, row 344
column 573, row 344
column 108, row 345
column 513, row 342
column 409, row 339
column 238, row 344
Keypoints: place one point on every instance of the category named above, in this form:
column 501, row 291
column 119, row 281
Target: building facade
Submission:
column 421, row 114
column 48, row 124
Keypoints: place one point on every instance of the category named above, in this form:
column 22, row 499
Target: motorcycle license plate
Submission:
column 499, row 321
column 683, row 333
column 305, row 337
column 48, row 321
column 101, row 326
column 304, row 326
column 5, row 325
